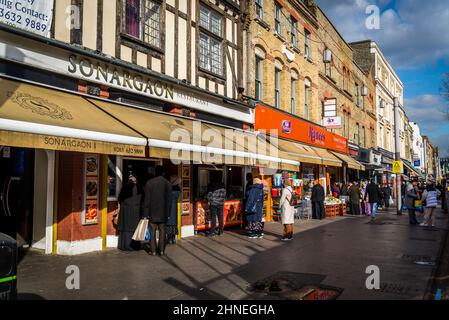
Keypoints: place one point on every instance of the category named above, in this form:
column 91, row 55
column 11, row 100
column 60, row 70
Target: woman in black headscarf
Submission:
column 130, row 199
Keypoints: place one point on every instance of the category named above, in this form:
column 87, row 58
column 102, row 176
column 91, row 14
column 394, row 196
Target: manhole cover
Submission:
column 294, row 286
column 395, row 288
column 423, row 239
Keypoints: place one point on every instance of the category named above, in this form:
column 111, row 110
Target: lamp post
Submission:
column 397, row 155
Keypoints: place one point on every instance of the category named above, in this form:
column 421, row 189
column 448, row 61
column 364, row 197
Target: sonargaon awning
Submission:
column 328, row 158
column 183, row 140
column 350, row 161
column 33, row 116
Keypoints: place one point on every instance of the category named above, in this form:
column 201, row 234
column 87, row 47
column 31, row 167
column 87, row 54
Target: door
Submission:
column 16, row 193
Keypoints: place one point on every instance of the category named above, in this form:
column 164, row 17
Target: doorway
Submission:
column 142, row 169
column 17, row 193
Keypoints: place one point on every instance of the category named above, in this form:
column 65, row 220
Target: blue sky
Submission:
column 414, row 36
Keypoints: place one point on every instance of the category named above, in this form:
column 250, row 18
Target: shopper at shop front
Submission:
column 172, row 223
column 130, row 199
column 430, row 196
column 253, row 209
column 288, row 210
column 410, row 196
column 216, row 197
column 335, row 190
column 373, row 195
column 318, row 197
column 157, row 203
column 354, row 198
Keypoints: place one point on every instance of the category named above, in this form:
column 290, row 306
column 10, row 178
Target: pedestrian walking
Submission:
column 288, row 210
column 354, row 198
column 130, row 200
column 373, row 195
column 157, row 205
column 317, row 199
column 253, row 209
column 216, row 197
column 410, row 196
column 386, row 194
column 430, row 196
column 172, row 222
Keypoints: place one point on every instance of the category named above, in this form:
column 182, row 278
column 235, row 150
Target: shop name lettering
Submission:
column 70, row 143
column 315, row 135
column 113, row 76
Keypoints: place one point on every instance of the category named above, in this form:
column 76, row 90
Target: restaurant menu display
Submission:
column 91, row 189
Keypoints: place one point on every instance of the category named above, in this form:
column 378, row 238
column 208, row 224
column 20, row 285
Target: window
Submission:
column 363, row 103
column 356, row 95
column 277, row 19
column 363, row 137
column 211, row 53
column 357, row 134
column 294, row 32
column 277, row 87
column 307, row 97
column 307, row 49
column 259, row 9
column 293, row 92
column 112, row 177
column 259, row 75
column 143, row 20
column 328, row 69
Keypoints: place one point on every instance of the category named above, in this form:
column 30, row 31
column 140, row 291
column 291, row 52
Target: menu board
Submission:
column 186, row 180
column 91, row 189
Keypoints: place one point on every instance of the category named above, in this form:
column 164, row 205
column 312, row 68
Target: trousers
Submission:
column 160, row 245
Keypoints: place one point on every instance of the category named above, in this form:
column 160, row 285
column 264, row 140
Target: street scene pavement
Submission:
column 333, row 253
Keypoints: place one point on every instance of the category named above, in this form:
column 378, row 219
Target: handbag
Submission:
column 141, row 230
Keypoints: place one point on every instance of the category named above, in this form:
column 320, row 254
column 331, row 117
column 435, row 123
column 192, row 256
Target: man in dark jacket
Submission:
column 354, row 198
column 318, row 201
column 374, row 196
column 157, row 205
column 216, row 197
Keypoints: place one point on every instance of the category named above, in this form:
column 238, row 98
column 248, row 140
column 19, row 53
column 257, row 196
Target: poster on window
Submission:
column 30, row 15
column 232, row 214
column 91, row 189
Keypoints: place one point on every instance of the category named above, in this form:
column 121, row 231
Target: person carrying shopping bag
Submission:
column 288, row 210
column 430, row 195
column 410, row 197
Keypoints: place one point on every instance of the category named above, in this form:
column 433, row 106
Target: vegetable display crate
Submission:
column 333, row 210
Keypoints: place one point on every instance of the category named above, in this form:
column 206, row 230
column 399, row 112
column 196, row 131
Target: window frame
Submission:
column 277, row 19
column 140, row 40
column 277, row 87
column 294, row 82
column 259, row 5
column 357, row 97
column 258, row 82
column 211, row 36
column 307, row 96
column 307, row 46
column 294, row 32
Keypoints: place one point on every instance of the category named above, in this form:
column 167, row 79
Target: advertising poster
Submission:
column 232, row 214
column 30, row 15
column 91, row 189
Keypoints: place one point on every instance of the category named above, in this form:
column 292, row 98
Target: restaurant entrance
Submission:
column 16, row 193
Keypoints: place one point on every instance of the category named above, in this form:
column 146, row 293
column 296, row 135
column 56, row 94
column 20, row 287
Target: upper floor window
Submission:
column 211, row 52
column 259, row 77
column 277, row 84
column 307, row 48
column 293, row 91
column 357, row 95
column 143, row 20
column 259, row 9
column 357, row 134
column 363, row 137
column 294, row 32
column 277, row 19
column 307, row 97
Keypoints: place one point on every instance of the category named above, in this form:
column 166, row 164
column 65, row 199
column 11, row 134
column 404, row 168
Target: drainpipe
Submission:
column 248, row 50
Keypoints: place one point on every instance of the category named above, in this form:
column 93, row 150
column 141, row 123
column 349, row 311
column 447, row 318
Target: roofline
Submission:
column 333, row 26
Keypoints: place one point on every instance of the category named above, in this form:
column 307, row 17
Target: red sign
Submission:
column 270, row 119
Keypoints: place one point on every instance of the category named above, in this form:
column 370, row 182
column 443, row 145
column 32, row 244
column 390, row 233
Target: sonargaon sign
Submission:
column 107, row 73
column 31, row 15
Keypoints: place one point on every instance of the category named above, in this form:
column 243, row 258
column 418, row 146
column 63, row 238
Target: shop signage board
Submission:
column 102, row 72
column 30, row 15
column 398, row 167
column 269, row 119
column 332, row 122
column 417, row 163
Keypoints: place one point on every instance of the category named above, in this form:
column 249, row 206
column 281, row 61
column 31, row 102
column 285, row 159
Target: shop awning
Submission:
column 328, row 158
column 299, row 151
column 183, row 139
column 32, row 116
column 412, row 170
column 350, row 161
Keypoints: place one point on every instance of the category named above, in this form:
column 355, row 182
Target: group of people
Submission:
column 157, row 200
column 427, row 195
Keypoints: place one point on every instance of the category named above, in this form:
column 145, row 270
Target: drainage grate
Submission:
column 396, row 288
column 293, row 286
column 423, row 239
column 416, row 257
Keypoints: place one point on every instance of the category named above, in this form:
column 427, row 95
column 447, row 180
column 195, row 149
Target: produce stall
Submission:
column 335, row 207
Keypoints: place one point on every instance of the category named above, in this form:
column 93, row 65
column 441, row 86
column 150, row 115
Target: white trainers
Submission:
column 423, row 225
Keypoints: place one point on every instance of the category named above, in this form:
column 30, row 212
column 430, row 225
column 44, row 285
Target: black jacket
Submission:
column 318, row 193
column 373, row 193
column 157, row 200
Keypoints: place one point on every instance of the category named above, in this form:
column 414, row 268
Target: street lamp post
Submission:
column 397, row 155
